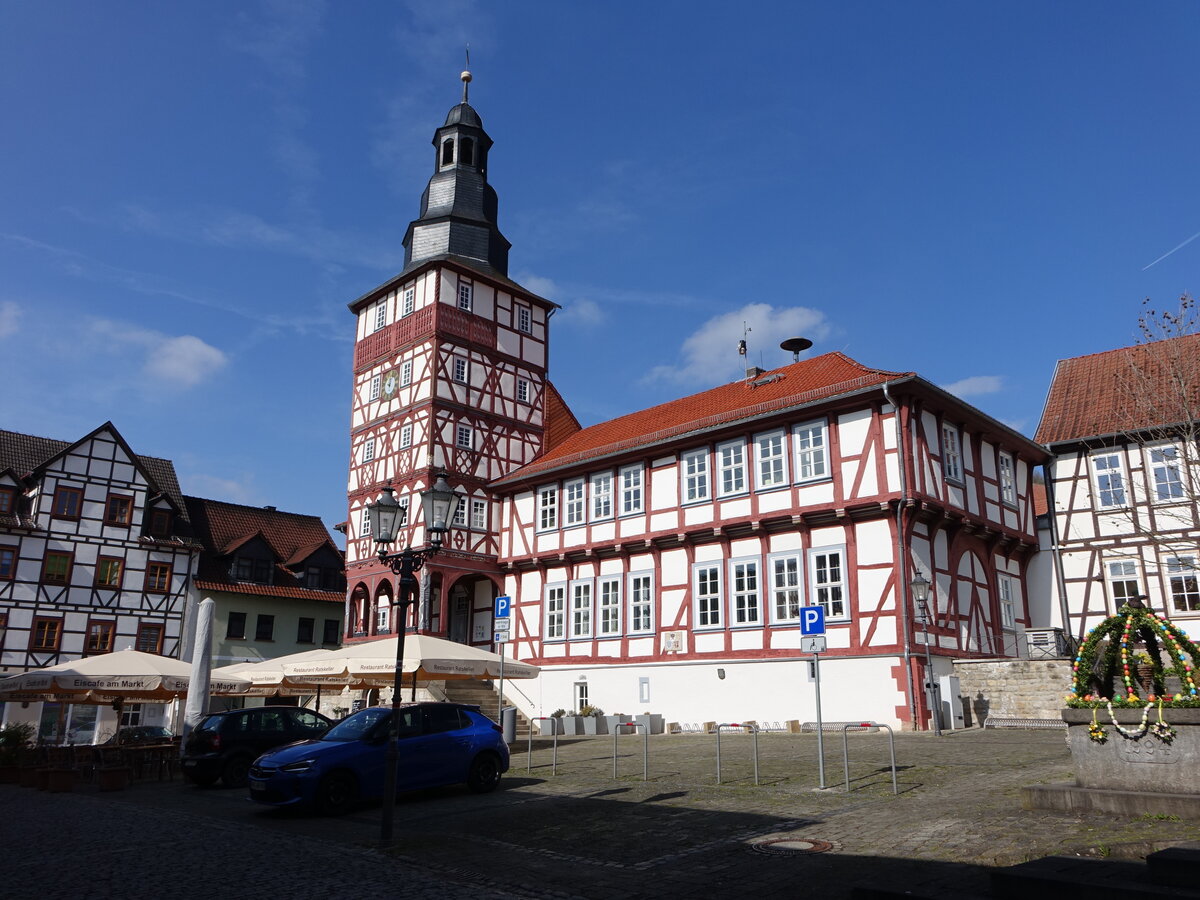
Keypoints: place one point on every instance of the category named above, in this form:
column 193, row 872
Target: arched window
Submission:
column 447, row 151
column 466, row 152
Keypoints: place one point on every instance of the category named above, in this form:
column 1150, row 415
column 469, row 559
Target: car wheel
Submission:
column 484, row 774
column 336, row 793
column 236, row 772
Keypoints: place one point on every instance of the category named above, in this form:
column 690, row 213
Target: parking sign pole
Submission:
column 500, row 708
column 820, row 727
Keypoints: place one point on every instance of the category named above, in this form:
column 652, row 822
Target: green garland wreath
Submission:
column 1098, row 666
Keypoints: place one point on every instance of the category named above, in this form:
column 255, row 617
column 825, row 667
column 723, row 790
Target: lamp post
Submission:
column 920, row 592
column 438, row 504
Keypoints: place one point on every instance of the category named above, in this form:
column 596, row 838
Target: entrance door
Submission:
column 460, row 615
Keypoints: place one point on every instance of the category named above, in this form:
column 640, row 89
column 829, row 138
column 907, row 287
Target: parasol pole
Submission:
column 197, row 693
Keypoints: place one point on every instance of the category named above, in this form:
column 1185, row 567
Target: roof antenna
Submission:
column 746, row 329
column 797, row 345
column 466, row 74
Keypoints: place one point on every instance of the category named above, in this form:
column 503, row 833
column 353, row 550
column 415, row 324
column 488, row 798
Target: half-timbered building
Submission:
column 95, row 555
column 659, row 561
column 1121, row 428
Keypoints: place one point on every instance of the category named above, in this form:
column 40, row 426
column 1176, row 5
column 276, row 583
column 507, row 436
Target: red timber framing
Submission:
column 960, row 536
column 104, row 601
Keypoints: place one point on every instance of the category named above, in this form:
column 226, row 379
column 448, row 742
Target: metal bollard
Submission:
column 846, row 750
column 753, row 734
column 529, row 750
column 645, row 747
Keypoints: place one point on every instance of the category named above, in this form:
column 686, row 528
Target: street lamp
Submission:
column 920, row 593
column 438, row 504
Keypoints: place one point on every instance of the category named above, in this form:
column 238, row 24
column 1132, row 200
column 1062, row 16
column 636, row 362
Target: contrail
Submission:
column 1169, row 252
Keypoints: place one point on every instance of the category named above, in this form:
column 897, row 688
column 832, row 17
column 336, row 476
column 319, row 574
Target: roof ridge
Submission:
column 1133, row 346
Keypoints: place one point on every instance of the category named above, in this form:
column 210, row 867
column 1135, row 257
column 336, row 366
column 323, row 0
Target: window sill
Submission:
column 819, row 479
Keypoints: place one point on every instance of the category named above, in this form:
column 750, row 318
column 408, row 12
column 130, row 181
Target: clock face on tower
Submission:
column 390, row 383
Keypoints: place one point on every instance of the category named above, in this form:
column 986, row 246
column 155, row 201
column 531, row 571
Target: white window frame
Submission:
column 524, row 319
column 822, row 590
column 479, row 514
column 1104, row 473
column 1122, row 574
column 406, row 372
column 1008, row 604
column 1171, row 487
column 375, row 388
column 368, row 453
column 464, row 436
column 379, row 316
column 406, row 435
column 731, row 468
column 608, row 606
column 523, row 391
column 694, row 484
column 460, row 514
column 1183, row 583
column 770, row 460
column 1007, row 470
column 409, row 303
column 745, row 592
column 547, row 519
column 460, row 370
column 786, row 573
column 364, row 523
column 383, row 611
column 574, row 502
column 706, row 596
column 466, row 295
column 952, row 462
column 556, row 612
column 582, row 624
column 633, row 491
column 640, row 590
column 810, row 444
column 601, row 484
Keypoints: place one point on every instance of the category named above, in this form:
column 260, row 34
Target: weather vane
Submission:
column 466, row 74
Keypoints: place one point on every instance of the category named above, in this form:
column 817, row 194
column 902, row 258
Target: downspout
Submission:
column 902, row 559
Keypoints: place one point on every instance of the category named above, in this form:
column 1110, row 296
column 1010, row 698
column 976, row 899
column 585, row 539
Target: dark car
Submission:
column 132, row 735
column 226, row 743
column 440, row 744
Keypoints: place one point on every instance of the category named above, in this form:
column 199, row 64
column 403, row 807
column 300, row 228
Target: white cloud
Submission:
column 543, row 287
column 710, row 354
column 10, row 316
column 186, row 361
column 213, row 487
column 975, row 385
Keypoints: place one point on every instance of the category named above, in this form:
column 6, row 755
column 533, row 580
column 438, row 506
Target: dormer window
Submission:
column 8, row 501
column 466, row 152
column 256, row 571
column 160, row 522
column 447, row 151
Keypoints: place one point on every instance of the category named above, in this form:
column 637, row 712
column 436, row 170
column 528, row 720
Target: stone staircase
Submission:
column 1170, row 873
column 484, row 695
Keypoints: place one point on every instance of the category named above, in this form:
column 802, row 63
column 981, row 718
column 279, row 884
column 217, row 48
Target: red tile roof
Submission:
column 223, row 527
column 809, row 381
column 560, row 423
column 1041, row 503
column 1129, row 389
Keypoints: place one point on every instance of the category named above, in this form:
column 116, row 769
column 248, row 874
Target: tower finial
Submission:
column 466, row 74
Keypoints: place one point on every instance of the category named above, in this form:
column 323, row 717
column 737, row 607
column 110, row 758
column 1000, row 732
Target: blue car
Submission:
column 440, row 744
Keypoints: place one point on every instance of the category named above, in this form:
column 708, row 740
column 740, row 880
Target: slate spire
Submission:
column 458, row 207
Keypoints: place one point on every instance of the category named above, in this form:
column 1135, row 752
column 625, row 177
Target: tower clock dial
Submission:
column 390, row 383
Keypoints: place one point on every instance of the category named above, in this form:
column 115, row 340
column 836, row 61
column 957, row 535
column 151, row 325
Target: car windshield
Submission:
column 212, row 723
column 358, row 726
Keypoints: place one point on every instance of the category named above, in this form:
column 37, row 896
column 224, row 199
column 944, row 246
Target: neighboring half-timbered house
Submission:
column 660, row 560
column 95, row 553
column 1122, row 428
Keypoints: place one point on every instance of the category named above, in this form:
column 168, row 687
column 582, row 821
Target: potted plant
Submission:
column 613, row 720
column 14, row 739
column 554, row 725
column 652, row 721
column 572, row 724
column 593, row 723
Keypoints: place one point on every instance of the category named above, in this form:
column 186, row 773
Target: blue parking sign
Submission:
column 812, row 620
column 503, row 607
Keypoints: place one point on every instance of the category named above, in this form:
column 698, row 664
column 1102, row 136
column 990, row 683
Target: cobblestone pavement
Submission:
column 581, row 833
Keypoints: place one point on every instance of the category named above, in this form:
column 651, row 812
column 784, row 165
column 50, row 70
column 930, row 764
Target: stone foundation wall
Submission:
column 1020, row 688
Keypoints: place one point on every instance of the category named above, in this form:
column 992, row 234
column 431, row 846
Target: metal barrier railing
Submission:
column 846, row 750
column 645, row 747
column 529, row 751
column 753, row 732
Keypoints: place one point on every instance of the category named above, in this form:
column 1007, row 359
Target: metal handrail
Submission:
column 753, row 732
column 846, row 750
column 529, row 749
column 645, row 746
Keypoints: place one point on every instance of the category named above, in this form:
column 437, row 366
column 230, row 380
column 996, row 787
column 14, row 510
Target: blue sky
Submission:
column 193, row 192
